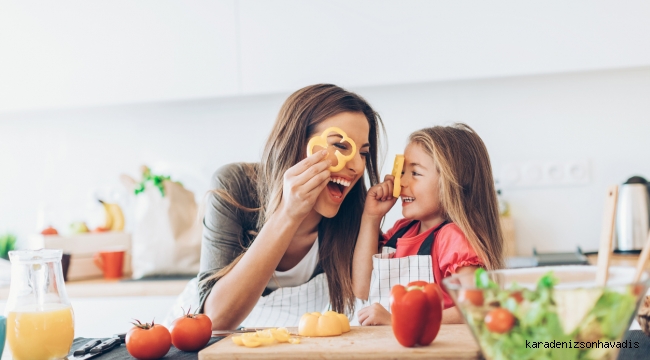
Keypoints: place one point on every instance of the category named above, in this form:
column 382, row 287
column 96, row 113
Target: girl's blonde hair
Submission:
column 467, row 193
column 287, row 145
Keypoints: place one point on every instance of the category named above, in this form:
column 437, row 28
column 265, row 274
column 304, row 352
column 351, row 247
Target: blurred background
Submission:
column 559, row 91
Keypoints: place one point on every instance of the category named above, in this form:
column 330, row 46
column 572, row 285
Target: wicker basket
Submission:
column 644, row 316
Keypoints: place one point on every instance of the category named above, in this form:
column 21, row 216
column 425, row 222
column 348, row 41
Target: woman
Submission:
column 279, row 236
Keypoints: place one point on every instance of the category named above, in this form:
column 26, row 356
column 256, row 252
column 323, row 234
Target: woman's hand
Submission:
column 380, row 198
column 374, row 314
column 303, row 183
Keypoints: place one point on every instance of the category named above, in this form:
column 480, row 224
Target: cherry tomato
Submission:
column 499, row 320
column 517, row 296
column 637, row 289
column 148, row 341
column 191, row 332
column 473, row 296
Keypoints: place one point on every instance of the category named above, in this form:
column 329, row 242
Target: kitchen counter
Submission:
column 618, row 260
column 637, row 337
column 114, row 288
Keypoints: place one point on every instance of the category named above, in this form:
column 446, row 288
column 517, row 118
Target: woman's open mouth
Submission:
column 336, row 188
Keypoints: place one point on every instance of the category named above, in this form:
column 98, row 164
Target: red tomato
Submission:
column 148, row 341
column 499, row 320
column 637, row 289
column 473, row 296
column 517, row 296
column 191, row 332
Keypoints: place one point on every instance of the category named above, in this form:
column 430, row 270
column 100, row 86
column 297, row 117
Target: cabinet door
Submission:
column 80, row 53
column 286, row 44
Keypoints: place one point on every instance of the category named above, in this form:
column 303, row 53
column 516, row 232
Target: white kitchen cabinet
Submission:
column 85, row 53
column 286, row 44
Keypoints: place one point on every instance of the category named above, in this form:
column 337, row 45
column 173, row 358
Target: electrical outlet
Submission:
column 544, row 174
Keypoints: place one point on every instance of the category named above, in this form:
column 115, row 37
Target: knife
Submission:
column 106, row 346
column 230, row 332
column 97, row 350
column 84, row 349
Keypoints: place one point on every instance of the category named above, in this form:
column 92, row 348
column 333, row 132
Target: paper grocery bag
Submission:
column 167, row 234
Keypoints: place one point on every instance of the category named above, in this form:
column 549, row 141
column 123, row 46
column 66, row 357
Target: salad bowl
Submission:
column 548, row 312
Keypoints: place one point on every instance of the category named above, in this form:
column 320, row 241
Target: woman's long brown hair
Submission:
column 286, row 146
column 467, row 191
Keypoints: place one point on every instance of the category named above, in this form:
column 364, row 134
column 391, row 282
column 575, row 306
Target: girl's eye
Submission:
column 414, row 173
column 364, row 154
column 340, row 146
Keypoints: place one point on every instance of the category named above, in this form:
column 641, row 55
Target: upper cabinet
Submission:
column 286, row 44
column 88, row 53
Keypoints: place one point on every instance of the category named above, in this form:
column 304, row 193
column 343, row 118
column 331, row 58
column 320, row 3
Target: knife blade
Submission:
column 230, row 332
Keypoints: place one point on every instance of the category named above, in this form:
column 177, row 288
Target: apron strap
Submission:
column 392, row 242
column 427, row 244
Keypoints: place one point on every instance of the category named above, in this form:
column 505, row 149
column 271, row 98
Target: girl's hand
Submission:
column 380, row 198
column 374, row 314
column 303, row 183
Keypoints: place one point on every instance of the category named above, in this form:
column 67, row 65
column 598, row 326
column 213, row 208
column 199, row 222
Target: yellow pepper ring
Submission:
column 321, row 140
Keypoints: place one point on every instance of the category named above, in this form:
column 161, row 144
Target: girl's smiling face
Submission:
column 420, row 192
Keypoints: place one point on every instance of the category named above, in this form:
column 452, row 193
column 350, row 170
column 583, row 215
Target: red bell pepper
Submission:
column 416, row 312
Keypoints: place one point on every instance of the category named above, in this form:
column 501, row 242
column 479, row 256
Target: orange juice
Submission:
column 40, row 334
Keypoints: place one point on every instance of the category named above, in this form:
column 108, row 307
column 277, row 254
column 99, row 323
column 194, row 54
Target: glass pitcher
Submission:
column 40, row 321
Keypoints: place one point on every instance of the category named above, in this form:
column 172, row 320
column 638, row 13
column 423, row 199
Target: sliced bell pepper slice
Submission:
column 321, row 140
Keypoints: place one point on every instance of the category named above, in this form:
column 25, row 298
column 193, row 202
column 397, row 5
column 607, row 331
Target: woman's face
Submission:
column 355, row 125
column 420, row 185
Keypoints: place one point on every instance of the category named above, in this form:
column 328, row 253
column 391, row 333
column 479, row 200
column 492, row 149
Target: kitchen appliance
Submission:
column 632, row 215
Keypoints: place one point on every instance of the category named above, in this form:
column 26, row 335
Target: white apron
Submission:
column 284, row 306
column 281, row 308
column 388, row 271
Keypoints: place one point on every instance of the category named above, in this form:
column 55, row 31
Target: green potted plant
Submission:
column 7, row 243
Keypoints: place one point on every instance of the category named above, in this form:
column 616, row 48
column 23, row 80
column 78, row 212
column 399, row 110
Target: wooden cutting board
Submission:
column 362, row 342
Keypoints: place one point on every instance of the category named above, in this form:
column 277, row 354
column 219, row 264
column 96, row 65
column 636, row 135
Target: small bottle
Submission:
column 504, row 208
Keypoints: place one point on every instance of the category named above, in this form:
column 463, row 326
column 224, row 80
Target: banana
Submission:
column 118, row 217
column 114, row 217
column 108, row 218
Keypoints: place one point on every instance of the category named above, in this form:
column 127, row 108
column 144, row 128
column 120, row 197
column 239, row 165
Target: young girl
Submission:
column 450, row 223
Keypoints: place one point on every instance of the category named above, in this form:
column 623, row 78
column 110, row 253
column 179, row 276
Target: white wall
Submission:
column 107, row 52
column 91, row 53
column 58, row 158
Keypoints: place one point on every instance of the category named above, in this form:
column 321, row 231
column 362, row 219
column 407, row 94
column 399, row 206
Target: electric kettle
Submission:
column 632, row 215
